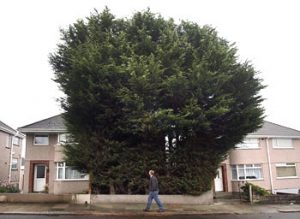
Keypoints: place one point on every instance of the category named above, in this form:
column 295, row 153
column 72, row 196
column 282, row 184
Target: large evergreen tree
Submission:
column 146, row 93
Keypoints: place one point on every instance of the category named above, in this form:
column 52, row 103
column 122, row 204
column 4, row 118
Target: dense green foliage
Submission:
column 256, row 190
column 146, row 93
column 9, row 189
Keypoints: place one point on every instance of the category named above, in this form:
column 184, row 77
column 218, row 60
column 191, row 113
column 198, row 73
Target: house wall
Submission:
column 67, row 186
column 5, row 159
column 15, row 174
column 260, row 156
column 227, row 186
column 38, row 153
column 58, row 153
column 291, row 155
column 52, row 153
column 251, row 156
column 64, row 187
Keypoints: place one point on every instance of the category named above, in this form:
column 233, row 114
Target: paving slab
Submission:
column 289, row 208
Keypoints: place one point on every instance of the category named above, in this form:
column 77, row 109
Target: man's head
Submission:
column 151, row 172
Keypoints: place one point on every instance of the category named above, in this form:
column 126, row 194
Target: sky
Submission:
column 266, row 33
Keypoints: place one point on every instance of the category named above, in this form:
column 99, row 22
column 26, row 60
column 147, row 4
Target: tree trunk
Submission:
column 112, row 190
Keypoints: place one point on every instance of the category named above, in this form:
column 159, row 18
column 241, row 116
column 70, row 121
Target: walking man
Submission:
column 153, row 193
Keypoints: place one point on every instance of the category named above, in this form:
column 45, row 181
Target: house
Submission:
column 269, row 157
column 10, row 159
column 45, row 168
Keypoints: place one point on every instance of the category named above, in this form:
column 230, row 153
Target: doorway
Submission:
column 39, row 178
column 219, row 186
column 38, row 175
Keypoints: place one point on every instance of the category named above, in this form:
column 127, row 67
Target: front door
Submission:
column 39, row 178
column 219, row 181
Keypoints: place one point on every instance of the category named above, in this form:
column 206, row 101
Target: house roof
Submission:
column 52, row 124
column 57, row 124
column 6, row 128
column 270, row 129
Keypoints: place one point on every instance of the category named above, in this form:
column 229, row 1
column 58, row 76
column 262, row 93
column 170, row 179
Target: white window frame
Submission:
column 276, row 145
column 286, row 165
column 254, row 166
column 63, row 167
column 59, row 138
column 35, row 135
column 16, row 141
column 14, row 163
column 248, row 143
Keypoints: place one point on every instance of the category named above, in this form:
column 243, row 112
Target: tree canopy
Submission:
column 146, row 93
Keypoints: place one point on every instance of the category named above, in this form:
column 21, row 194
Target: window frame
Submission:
column 59, row 138
column 244, row 145
column 236, row 167
column 86, row 177
column 35, row 135
column 13, row 163
column 275, row 143
column 289, row 164
column 16, row 139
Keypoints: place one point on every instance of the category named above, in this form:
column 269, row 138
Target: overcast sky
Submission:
column 266, row 32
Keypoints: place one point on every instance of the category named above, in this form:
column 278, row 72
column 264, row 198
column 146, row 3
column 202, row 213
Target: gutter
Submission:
column 272, row 136
column 33, row 130
column 8, row 130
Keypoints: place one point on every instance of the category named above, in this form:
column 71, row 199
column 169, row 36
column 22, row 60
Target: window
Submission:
column 282, row 143
column 286, row 170
column 246, row 172
column 16, row 141
column 248, row 143
column 63, row 138
column 41, row 140
column 64, row 172
column 14, row 164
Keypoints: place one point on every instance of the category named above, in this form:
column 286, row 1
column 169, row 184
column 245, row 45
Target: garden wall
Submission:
column 205, row 198
column 278, row 199
column 34, row 198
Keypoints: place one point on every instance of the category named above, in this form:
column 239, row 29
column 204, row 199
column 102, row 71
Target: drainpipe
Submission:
column 270, row 166
column 10, row 159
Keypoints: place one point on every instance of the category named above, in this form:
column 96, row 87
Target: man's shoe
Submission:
column 146, row 209
column 160, row 210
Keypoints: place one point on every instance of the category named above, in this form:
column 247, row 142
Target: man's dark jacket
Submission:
column 153, row 186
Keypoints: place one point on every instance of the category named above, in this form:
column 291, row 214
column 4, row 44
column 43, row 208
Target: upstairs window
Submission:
column 248, row 143
column 282, row 143
column 41, row 140
column 16, row 141
column 63, row 138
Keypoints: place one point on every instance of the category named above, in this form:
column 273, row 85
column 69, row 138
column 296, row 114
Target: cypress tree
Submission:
column 146, row 93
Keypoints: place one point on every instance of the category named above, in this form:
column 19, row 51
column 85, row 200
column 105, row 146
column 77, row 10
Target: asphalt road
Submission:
column 228, row 216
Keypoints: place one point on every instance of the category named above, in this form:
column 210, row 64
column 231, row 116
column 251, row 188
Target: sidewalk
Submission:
column 137, row 209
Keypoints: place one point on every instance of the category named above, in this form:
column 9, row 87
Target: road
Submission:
column 228, row 216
